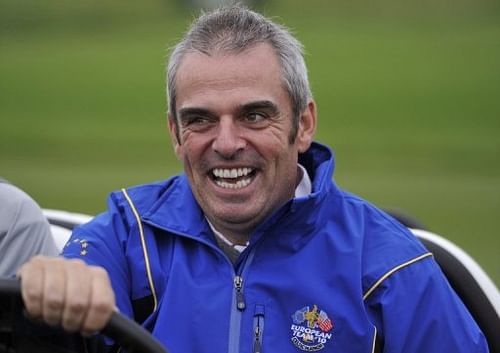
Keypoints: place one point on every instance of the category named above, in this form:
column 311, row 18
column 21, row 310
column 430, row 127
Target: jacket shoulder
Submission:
column 387, row 245
column 143, row 196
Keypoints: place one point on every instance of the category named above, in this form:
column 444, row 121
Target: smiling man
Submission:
column 235, row 134
column 254, row 248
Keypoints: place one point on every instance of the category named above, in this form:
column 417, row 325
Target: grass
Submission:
column 407, row 98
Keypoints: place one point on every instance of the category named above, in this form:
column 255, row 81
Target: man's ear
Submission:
column 307, row 127
column 174, row 135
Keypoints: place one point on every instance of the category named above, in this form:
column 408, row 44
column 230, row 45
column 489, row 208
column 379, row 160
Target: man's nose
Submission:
column 228, row 141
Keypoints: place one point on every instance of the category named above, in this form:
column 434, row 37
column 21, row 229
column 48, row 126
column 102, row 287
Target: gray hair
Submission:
column 233, row 29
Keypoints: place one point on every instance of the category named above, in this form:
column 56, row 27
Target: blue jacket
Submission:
column 328, row 272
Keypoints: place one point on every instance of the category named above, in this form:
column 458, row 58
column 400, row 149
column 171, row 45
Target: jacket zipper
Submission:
column 240, row 298
column 258, row 328
column 239, row 304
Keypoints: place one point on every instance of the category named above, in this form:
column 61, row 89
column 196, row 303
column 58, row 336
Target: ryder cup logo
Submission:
column 311, row 329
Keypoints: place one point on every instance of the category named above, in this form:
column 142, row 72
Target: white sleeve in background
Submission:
column 24, row 231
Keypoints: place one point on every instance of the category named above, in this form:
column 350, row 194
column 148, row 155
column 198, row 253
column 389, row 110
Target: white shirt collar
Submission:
column 305, row 186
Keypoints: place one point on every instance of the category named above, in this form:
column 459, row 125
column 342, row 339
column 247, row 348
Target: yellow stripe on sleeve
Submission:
column 395, row 269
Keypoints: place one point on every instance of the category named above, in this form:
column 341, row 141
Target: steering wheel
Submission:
column 123, row 331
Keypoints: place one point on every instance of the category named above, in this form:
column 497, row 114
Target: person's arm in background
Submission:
column 24, row 231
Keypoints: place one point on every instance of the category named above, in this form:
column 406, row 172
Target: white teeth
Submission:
column 238, row 185
column 231, row 173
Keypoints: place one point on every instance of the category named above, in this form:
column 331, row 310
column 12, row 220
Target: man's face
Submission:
column 235, row 119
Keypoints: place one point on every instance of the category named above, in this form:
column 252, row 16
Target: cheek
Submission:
column 272, row 142
column 179, row 152
column 193, row 150
column 288, row 162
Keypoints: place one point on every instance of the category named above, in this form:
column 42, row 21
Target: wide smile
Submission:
column 233, row 178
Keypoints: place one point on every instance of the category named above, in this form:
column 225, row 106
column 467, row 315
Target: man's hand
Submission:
column 67, row 293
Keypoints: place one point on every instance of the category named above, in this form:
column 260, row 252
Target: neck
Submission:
column 235, row 233
column 300, row 174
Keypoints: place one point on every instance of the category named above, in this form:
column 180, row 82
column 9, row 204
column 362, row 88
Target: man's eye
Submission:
column 196, row 120
column 254, row 117
column 197, row 123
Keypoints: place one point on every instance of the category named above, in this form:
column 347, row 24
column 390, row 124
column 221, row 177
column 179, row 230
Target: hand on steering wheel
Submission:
column 123, row 331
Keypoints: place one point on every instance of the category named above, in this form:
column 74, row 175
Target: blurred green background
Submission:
column 408, row 95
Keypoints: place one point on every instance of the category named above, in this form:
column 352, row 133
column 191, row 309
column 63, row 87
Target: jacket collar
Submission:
column 176, row 210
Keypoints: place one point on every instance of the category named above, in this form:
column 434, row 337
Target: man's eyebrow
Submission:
column 263, row 104
column 267, row 105
column 189, row 111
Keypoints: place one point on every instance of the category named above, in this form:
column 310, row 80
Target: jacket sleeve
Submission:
column 415, row 310
column 103, row 242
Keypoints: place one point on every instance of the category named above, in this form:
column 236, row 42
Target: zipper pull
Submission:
column 257, row 345
column 240, row 299
column 258, row 328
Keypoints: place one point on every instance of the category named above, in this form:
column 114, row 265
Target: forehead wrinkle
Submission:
column 220, row 71
column 202, row 88
column 218, row 84
column 209, row 81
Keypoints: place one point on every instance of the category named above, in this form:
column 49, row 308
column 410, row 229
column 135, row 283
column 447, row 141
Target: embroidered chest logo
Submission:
column 83, row 245
column 311, row 329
